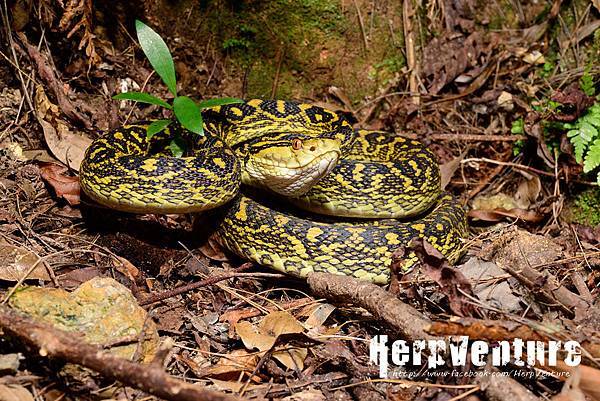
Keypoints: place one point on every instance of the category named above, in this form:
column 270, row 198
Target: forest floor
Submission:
column 501, row 92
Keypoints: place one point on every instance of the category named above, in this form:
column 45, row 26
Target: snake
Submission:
column 296, row 188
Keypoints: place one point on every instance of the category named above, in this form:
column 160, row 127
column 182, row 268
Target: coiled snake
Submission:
column 307, row 154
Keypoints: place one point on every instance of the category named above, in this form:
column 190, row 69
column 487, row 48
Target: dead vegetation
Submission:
column 471, row 70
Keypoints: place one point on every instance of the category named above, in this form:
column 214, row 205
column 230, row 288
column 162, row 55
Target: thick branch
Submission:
column 409, row 322
column 59, row 344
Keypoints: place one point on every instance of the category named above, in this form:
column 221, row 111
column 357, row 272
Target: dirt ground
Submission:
column 491, row 87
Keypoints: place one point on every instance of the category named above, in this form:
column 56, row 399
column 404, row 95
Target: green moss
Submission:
column 321, row 42
column 585, row 208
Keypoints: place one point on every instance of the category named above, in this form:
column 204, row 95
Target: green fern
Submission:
column 584, row 134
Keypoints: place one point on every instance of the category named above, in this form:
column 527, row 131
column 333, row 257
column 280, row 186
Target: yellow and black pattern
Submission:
column 120, row 170
column 299, row 243
column 383, row 176
column 377, row 175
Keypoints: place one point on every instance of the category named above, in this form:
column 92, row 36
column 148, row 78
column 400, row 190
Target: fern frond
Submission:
column 578, row 144
column 592, row 158
column 592, row 119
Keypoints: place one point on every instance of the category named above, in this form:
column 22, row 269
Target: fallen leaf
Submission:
column 228, row 367
column 491, row 284
column 65, row 186
column 264, row 337
column 448, row 169
column 451, row 281
column 306, row 395
column 496, row 215
column 14, row 392
column 16, row 261
column 573, row 97
column 253, row 338
column 65, row 145
column 318, row 316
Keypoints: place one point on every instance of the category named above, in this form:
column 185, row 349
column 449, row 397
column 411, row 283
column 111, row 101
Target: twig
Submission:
column 411, row 59
column 503, row 388
column 362, row 26
column 469, row 137
column 54, row 343
column 49, row 76
column 203, row 283
column 281, row 54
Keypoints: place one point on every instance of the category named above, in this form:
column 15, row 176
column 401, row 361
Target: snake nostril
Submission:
column 313, row 148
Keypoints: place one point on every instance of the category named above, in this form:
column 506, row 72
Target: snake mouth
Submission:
column 290, row 181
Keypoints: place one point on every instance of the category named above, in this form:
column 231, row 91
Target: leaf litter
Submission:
column 271, row 339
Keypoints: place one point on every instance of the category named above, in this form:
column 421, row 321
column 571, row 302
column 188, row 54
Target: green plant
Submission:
column 586, row 83
column 585, row 137
column 518, row 128
column 185, row 109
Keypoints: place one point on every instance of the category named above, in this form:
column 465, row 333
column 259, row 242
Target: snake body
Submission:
column 309, row 155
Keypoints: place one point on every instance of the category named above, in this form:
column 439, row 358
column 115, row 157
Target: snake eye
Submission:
column 296, row 144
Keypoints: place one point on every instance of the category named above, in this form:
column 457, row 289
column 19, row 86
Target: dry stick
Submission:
column 362, row 26
column 281, row 54
column 409, row 322
column 411, row 59
column 49, row 76
column 471, row 137
column 550, row 288
column 503, row 330
column 55, row 343
column 503, row 388
column 203, row 283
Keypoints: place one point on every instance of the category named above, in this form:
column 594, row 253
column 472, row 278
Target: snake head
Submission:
column 289, row 164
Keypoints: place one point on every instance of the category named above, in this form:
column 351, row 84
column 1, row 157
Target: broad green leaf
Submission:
column 142, row 98
column 156, row 127
column 158, row 54
column 188, row 114
column 177, row 146
column 205, row 104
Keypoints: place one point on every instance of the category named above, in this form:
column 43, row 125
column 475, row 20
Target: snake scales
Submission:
column 309, row 155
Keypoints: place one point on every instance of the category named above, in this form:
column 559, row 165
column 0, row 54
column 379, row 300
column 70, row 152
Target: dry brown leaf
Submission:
column 265, row 336
column 280, row 322
column 306, row 395
column 495, row 215
column 16, row 261
column 66, row 187
column 65, row 145
column 212, row 250
column 319, row 315
column 228, row 367
column 448, row 169
column 253, row 338
column 14, row 392
column 126, row 268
